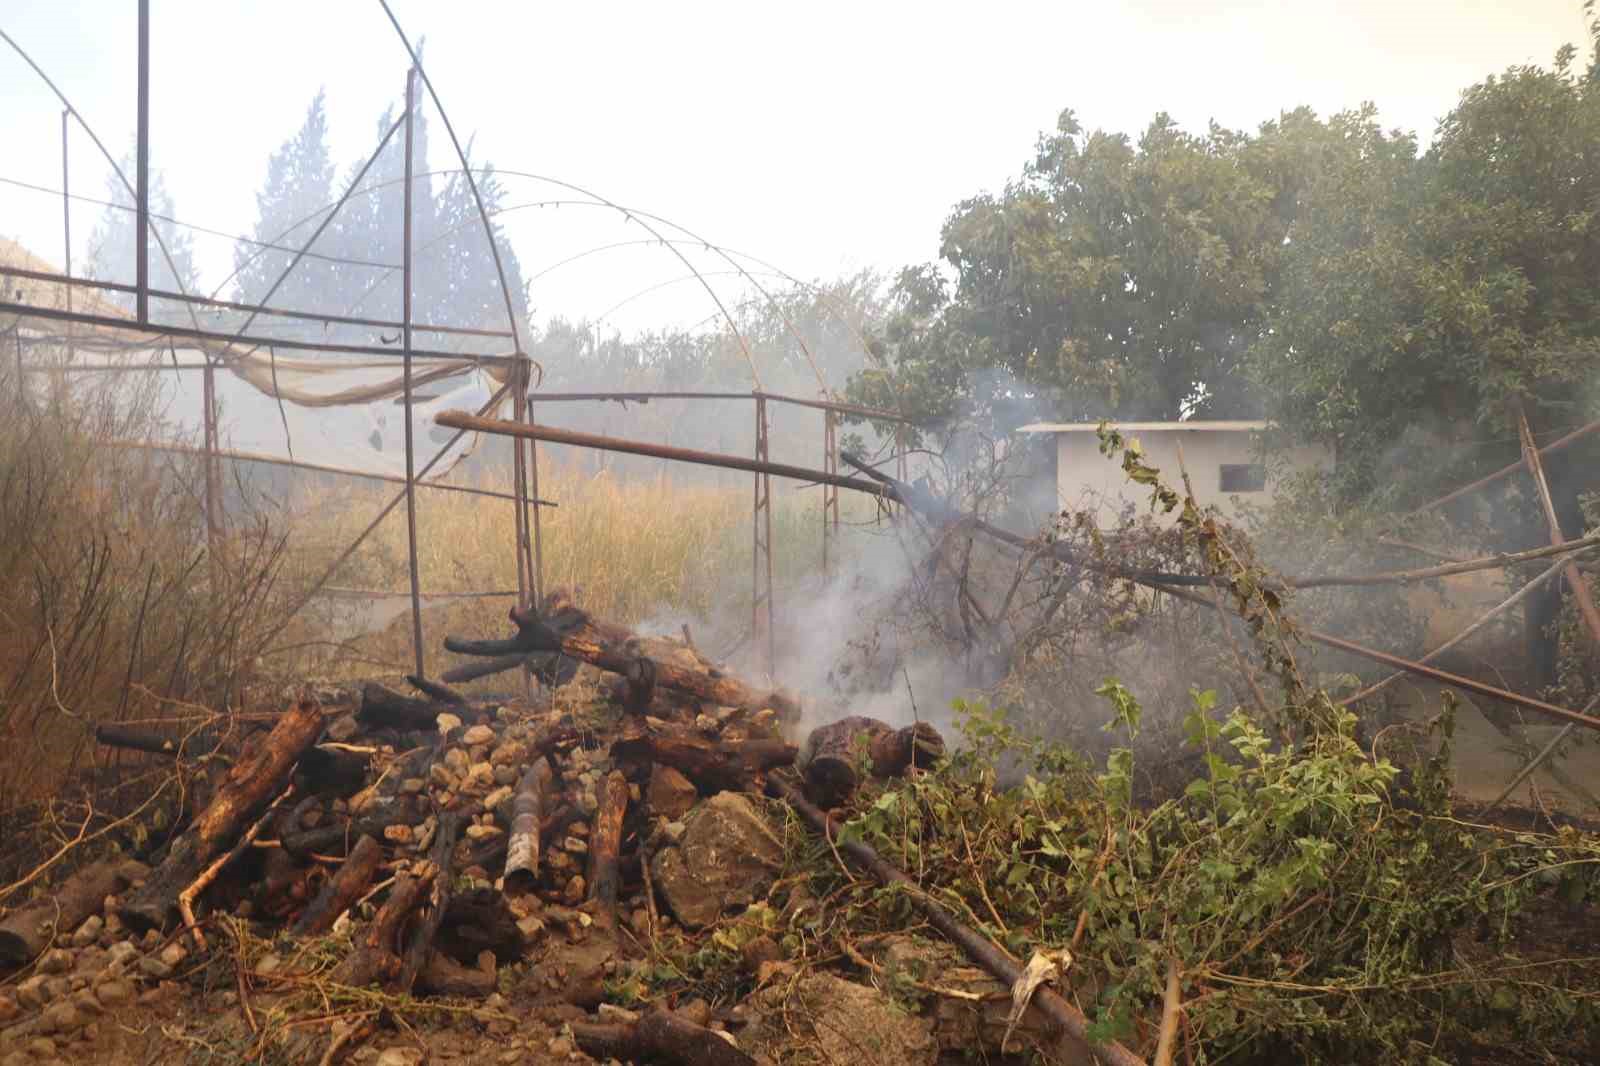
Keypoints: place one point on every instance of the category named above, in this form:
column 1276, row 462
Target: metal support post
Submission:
column 142, row 237
column 405, row 333
column 761, row 558
column 533, row 499
column 526, row 593
column 830, row 492
column 213, row 483
column 66, row 223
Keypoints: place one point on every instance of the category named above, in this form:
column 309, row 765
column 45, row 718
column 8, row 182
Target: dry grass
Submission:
column 113, row 605
column 635, row 549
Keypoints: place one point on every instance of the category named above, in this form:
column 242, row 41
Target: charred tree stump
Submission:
column 28, row 931
column 243, row 794
column 342, row 889
column 659, row 1036
column 605, row 845
column 837, row 754
column 713, row 766
column 522, row 847
column 442, row 859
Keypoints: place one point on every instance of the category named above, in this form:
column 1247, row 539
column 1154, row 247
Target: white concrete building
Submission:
column 1226, row 462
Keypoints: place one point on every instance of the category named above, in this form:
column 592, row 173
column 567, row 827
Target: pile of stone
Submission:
column 445, row 837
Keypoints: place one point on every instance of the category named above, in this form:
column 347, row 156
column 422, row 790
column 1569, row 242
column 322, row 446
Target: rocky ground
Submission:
column 694, row 919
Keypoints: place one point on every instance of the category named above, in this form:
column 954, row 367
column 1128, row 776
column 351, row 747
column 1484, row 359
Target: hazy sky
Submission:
column 821, row 136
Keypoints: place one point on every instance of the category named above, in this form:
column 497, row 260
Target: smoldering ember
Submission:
column 1162, row 628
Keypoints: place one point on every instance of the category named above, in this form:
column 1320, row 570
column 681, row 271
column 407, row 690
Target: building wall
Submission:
column 1082, row 472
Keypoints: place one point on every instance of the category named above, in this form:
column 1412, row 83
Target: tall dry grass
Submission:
column 113, row 608
column 636, row 549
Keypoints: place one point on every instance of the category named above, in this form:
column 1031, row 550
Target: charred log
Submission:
column 442, row 859
column 713, row 766
column 30, row 929
column 342, row 890
column 522, row 847
column 837, row 754
column 249, row 786
column 605, row 845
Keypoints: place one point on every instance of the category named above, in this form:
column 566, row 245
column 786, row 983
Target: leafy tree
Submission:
column 1422, row 296
column 113, row 246
column 294, row 199
column 1112, row 279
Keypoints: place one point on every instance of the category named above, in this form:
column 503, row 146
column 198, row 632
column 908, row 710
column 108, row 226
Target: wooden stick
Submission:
column 1511, row 468
column 248, row 786
column 442, row 859
column 522, row 846
column 342, row 889
column 1171, row 1011
column 1488, row 616
column 1067, row 1017
column 605, row 844
column 187, row 897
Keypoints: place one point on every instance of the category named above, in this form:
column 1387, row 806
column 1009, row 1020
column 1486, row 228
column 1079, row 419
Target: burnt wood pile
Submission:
column 446, row 836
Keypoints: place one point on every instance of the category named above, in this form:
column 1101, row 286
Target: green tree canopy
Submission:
column 1421, row 296
column 1114, row 278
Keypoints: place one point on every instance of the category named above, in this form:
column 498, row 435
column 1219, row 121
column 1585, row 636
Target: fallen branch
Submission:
column 246, row 789
column 341, row 890
column 1070, row 1020
column 187, row 897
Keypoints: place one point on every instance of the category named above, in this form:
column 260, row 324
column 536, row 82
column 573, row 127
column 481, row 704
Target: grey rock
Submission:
column 54, row 961
column 32, row 993
column 114, row 993
column 89, row 931
column 727, row 857
column 61, row 1017
column 153, row 967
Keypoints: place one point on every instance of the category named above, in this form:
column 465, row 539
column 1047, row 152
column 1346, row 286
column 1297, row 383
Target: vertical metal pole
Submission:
column 519, row 489
column 405, row 333
column 761, row 606
column 213, row 496
column 66, row 223
column 142, row 239
column 830, row 493
column 902, row 467
column 538, row 538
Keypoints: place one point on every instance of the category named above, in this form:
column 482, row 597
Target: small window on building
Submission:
column 1243, row 477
